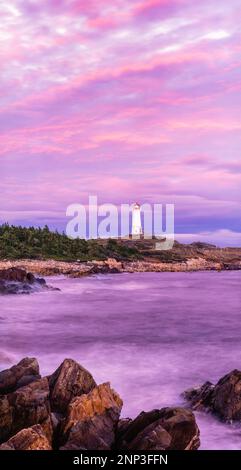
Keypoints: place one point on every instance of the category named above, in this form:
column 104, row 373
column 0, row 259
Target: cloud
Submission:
column 132, row 100
column 222, row 238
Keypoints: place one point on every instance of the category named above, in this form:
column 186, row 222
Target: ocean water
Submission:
column 152, row 335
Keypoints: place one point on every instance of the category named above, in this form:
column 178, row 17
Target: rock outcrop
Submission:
column 28, row 439
column 15, row 274
column 67, row 382
column 25, row 407
column 164, row 429
column 92, row 419
column 16, row 280
column 26, row 371
column 200, row 397
column 68, row 410
column 222, row 399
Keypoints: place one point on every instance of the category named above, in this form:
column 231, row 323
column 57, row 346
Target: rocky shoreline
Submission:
column 69, row 411
column 140, row 256
column 111, row 265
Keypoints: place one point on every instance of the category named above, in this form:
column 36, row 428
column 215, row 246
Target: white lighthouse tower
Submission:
column 136, row 221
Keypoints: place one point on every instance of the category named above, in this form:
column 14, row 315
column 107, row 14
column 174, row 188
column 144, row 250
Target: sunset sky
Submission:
column 128, row 100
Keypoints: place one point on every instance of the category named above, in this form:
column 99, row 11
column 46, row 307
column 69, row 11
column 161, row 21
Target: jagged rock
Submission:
column 25, row 407
column 122, row 427
column 226, row 397
column 26, row 371
column 165, row 429
column 96, row 433
column 68, row 381
column 152, row 437
column 28, row 439
column 200, row 397
column 6, row 418
column 181, row 425
column 16, row 280
column 92, row 419
column 222, row 399
column 14, row 274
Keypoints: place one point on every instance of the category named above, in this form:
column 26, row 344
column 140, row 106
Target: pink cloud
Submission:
column 98, row 95
column 153, row 9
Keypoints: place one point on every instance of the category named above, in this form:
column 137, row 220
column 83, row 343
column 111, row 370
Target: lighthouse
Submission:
column 136, row 221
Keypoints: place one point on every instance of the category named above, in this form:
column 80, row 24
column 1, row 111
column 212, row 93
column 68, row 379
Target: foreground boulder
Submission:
column 222, row 399
column 92, row 420
column 25, row 407
column 164, row 429
column 26, row 371
column 68, row 381
column 28, row 439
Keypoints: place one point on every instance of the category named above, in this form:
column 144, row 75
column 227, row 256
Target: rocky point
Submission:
column 68, row 410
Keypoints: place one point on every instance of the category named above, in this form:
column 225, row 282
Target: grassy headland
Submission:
column 20, row 243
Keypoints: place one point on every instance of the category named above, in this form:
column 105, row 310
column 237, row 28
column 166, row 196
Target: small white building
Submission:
column 136, row 221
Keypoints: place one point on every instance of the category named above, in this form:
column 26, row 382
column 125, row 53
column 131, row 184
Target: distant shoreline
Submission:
column 111, row 265
column 43, row 252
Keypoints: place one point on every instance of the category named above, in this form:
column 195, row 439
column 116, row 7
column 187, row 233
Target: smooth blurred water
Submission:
column 151, row 334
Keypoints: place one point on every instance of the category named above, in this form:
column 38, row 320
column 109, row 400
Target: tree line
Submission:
column 17, row 242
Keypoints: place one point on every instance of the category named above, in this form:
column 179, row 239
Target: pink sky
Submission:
column 128, row 100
